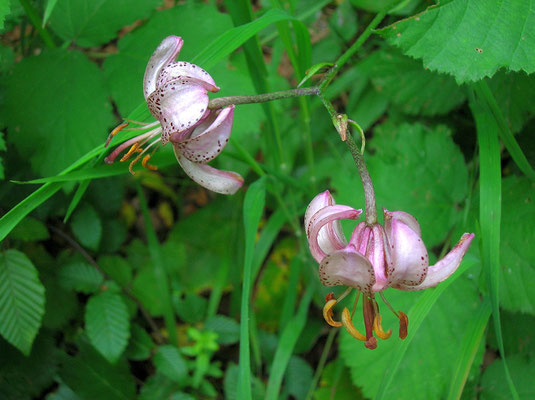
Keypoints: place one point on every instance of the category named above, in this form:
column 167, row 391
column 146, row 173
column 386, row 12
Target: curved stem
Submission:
column 261, row 98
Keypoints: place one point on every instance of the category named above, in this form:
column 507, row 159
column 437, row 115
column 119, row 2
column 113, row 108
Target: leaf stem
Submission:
column 36, row 22
column 261, row 98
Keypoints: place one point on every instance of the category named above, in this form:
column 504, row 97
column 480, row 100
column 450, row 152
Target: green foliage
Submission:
column 87, row 227
column 170, row 363
column 107, row 324
column 81, row 277
column 467, row 39
column 22, row 300
column 140, row 345
column 29, row 230
column 227, row 329
column 522, row 369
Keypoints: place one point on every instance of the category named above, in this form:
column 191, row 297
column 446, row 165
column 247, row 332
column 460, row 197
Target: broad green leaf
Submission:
column 117, row 268
column 369, row 107
column 298, row 377
column 431, row 348
column 414, row 169
column 90, row 376
column 81, row 277
column 190, row 308
column 516, row 255
column 335, row 381
column 49, row 7
column 22, row 300
column 145, row 288
column 63, row 393
column 140, row 345
column 125, row 70
column 469, row 39
column 518, row 334
column 407, row 84
column 87, row 227
column 29, row 230
column 158, row 386
column 4, row 10
column 92, row 23
column 57, row 108
column 404, row 7
column 227, row 329
column 169, row 362
column 107, row 324
column 522, row 371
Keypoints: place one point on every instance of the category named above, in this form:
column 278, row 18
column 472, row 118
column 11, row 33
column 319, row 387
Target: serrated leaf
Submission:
column 92, row 23
column 517, row 256
column 117, row 268
column 469, row 39
column 140, row 344
column 57, row 109
column 29, row 230
column 22, row 300
column 227, row 329
column 107, row 324
column 90, row 376
column 191, row 308
column 522, row 370
column 169, row 362
column 298, row 377
column 87, row 227
column 81, row 277
column 157, row 386
column 408, row 85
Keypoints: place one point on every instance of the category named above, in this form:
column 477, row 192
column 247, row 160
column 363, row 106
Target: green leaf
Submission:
column 22, row 300
column 227, row 329
column 169, row 362
column 230, row 384
column 4, row 11
column 2, row 148
column 158, row 386
column 298, row 377
column 516, row 255
column 92, row 23
column 191, row 308
column 146, row 289
column 81, row 277
column 469, row 39
column 30, row 230
column 140, row 345
column 522, row 371
column 90, row 376
column 408, row 85
column 57, row 108
column 117, row 268
column 87, row 227
column 107, row 324
column 49, row 7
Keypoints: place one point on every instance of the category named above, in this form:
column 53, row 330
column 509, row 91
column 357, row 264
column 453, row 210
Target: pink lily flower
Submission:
column 177, row 96
column 375, row 258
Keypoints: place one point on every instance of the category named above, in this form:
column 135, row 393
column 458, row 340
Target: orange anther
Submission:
column 148, row 166
column 115, row 132
column 133, row 149
column 328, row 314
column 403, row 325
column 379, row 329
column 348, row 324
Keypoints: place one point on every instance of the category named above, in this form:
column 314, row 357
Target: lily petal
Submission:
column 323, row 199
column 322, row 239
column 209, row 137
column 376, row 254
column 186, row 69
column 224, row 182
column 347, row 267
column 402, row 216
column 447, row 266
column 178, row 105
column 409, row 258
column 164, row 54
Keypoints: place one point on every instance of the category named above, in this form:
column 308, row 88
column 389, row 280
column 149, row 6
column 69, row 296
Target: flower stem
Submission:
column 261, row 98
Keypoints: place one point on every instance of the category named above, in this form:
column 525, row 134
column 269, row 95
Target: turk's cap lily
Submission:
column 177, row 96
column 375, row 258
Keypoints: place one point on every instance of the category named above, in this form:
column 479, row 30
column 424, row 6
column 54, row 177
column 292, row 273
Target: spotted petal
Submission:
column 163, row 55
column 186, row 69
column 447, row 266
column 209, row 137
column 402, row 216
column 408, row 256
column 323, row 236
column 323, row 199
column 178, row 105
column 349, row 268
column 224, row 182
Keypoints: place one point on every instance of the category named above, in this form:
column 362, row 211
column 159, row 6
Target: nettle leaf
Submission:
column 107, row 324
column 407, row 84
column 125, row 70
column 87, row 227
column 522, row 370
column 430, row 360
column 94, row 22
column 169, row 362
column 469, row 39
column 22, row 300
column 90, row 376
column 56, row 108
column 414, row 169
column 81, row 277
column 516, row 253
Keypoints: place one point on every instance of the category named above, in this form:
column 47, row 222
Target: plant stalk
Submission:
column 260, row 98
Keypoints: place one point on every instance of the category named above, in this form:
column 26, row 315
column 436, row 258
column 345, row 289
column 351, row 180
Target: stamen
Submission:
column 403, row 325
column 115, row 132
column 148, row 166
column 131, row 166
column 133, row 149
column 348, row 324
column 355, row 304
column 371, row 343
column 119, row 149
column 388, row 304
column 145, row 125
column 379, row 329
column 328, row 313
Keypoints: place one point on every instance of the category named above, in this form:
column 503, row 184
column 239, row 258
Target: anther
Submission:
column 115, row 132
column 348, row 324
column 148, row 166
column 328, row 313
column 379, row 329
column 403, row 325
column 133, row 149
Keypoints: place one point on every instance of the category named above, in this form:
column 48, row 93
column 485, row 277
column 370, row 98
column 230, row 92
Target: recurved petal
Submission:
column 178, row 105
column 224, row 182
column 447, row 266
column 408, row 256
column 402, row 216
column 349, row 268
column 324, row 232
column 376, row 254
column 164, row 54
column 323, row 199
column 185, row 69
column 209, row 137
